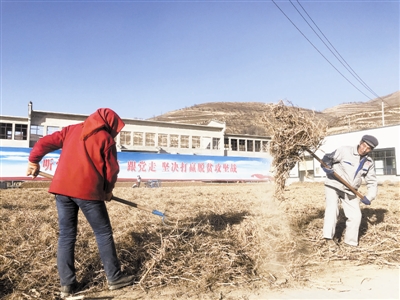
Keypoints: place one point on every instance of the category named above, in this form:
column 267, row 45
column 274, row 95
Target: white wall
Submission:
column 388, row 137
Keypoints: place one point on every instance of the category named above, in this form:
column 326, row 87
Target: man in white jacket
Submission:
column 352, row 164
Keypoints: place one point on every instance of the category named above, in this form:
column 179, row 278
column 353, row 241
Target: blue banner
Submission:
column 151, row 166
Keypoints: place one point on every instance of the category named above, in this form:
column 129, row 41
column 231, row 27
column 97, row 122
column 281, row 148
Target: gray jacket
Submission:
column 348, row 164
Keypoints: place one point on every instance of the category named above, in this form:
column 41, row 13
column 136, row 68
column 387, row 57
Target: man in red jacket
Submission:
column 85, row 177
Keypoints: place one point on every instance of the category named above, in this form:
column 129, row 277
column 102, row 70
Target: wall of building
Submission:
column 14, row 138
column 178, row 138
column 146, row 136
column 388, row 137
column 246, row 145
column 212, row 140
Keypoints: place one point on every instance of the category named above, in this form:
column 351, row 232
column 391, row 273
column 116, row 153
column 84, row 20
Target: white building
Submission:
column 139, row 135
column 175, row 138
column 386, row 155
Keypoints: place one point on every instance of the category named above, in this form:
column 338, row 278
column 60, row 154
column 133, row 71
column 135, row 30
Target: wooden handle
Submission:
column 47, row 175
column 133, row 204
column 336, row 175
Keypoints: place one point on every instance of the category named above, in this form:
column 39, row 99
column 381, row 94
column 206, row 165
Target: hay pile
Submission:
column 205, row 251
column 379, row 230
column 232, row 236
column 293, row 130
column 214, row 241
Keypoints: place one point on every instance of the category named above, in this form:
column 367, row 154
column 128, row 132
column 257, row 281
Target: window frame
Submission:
column 21, row 130
column 381, row 157
column 6, row 131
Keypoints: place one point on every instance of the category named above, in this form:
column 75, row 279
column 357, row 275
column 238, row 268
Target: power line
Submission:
column 318, row 49
column 347, row 68
column 345, row 64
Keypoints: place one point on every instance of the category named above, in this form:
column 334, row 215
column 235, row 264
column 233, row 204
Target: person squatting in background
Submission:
column 84, row 179
column 138, row 181
column 352, row 163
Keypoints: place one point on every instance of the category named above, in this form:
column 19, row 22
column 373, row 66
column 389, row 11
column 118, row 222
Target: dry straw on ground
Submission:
column 225, row 235
column 293, row 130
column 214, row 241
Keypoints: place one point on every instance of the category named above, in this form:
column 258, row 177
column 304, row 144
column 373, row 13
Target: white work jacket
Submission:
column 349, row 165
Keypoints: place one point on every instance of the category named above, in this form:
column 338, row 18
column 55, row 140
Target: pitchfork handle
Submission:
column 47, row 175
column 336, row 175
column 133, row 204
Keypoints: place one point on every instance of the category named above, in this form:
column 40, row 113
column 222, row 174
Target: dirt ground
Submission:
column 345, row 282
column 338, row 282
column 292, row 261
column 343, row 278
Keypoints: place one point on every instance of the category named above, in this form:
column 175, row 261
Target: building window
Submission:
column 250, row 145
column 150, row 139
column 385, row 161
column 215, row 142
column 36, row 132
column 174, row 141
column 226, row 143
column 162, row 140
column 234, row 144
column 21, row 132
column 51, row 129
column 242, row 145
column 125, row 138
column 306, row 168
column 6, row 131
column 257, row 146
column 184, row 141
column 206, row 142
column 265, row 146
column 195, row 142
column 138, row 139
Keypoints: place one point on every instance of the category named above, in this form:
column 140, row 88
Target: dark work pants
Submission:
column 97, row 216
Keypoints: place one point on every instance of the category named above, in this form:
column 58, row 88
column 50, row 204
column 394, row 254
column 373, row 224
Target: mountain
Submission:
column 362, row 115
column 246, row 117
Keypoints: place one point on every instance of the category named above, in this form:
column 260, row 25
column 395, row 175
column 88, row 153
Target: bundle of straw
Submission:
column 293, row 130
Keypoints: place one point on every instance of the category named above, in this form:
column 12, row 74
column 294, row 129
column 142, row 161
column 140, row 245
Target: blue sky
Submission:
column 146, row 58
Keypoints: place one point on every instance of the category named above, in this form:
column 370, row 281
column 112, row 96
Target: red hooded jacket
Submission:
column 88, row 166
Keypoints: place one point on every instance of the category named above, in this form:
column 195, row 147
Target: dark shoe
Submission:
column 120, row 283
column 68, row 290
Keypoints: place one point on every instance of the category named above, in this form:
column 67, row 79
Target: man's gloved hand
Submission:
column 327, row 170
column 33, row 169
column 365, row 201
column 109, row 196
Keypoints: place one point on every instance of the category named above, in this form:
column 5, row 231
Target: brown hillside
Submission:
column 362, row 115
column 240, row 117
column 246, row 117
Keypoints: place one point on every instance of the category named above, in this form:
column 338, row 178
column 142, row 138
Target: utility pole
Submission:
column 383, row 115
column 348, row 119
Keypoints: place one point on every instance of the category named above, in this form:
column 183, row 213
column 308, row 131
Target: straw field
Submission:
column 219, row 238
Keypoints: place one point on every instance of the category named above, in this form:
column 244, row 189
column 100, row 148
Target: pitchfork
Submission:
column 342, row 180
column 123, row 201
